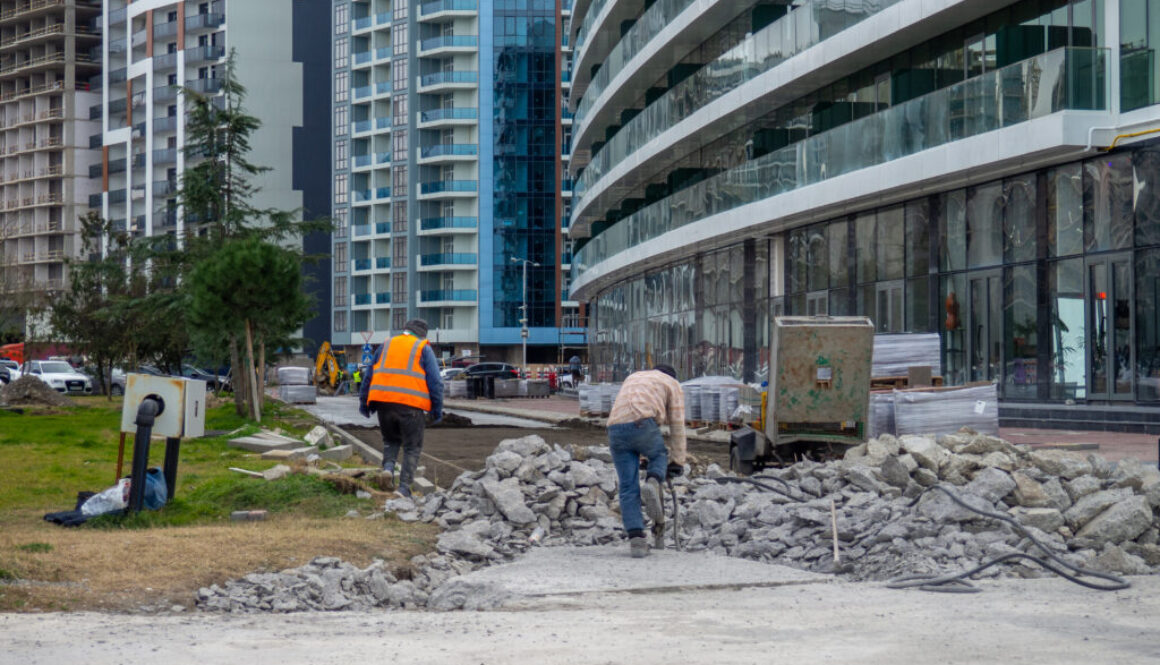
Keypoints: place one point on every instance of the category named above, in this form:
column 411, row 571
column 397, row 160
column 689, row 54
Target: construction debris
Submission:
column 1093, row 513
column 29, row 390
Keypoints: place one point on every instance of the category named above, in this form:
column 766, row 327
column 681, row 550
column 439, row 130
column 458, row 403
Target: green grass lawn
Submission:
column 48, row 455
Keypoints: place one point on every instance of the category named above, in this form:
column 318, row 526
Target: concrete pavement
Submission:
column 1047, row 621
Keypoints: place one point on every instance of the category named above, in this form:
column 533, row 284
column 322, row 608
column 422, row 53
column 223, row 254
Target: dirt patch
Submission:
column 46, row 568
column 29, row 390
column 448, row 451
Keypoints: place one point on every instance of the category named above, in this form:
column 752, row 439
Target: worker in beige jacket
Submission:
column 647, row 400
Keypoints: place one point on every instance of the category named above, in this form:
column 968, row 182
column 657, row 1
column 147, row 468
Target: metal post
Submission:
column 524, row 312
column 147, row 413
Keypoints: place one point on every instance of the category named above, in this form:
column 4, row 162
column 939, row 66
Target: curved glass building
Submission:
column 987, row 170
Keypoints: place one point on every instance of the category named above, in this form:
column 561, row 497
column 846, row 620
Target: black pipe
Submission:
column 172, row 448
column 147, row 413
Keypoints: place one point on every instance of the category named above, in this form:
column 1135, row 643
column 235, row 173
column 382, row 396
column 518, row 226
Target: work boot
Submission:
column 658, row 535
column 403, row 492
column 651, row 495
column 638, row 547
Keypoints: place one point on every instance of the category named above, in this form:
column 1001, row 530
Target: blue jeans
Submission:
column 629, row 442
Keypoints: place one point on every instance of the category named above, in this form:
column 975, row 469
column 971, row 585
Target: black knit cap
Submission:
column 417, row 326
column 666, row 369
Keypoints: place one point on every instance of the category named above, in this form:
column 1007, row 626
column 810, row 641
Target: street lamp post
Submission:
column 524, row 312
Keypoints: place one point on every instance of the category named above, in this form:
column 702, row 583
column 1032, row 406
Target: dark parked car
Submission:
column 498, row 370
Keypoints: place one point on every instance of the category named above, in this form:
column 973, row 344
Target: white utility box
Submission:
column 184, row 400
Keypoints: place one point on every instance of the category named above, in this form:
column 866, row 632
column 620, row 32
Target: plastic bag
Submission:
column 108, row 501
column 156, row 490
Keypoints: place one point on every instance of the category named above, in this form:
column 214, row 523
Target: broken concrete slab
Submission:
column 319, row 437
column 337, row 453
column 554, row 571
column 264, row 441
column 291, row 455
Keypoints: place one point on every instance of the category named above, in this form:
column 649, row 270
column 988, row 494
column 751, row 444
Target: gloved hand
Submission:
column 364, row 410
column 674, row 470
column 436, row 416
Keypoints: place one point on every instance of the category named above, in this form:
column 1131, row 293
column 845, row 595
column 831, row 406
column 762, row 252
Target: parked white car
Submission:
column 60, row 376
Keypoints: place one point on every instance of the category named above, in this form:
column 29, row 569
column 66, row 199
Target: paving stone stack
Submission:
column 1091, row 512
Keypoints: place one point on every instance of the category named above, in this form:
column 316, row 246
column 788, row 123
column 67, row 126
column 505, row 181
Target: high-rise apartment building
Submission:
column 983, row 170
column 153, row 48
column 450, row 137
column 46, row 61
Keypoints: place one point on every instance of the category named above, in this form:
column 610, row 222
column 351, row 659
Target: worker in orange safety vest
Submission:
column 402, row 386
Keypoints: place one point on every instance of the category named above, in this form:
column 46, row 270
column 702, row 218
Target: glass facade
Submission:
column 1046, row 283
column 525, row 153
column 1045, row 84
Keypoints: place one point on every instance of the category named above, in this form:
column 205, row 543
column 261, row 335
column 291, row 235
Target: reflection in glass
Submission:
column 1022, row 326
column 1107, row 202
column 952, row 231
column 1098, row 324
column 1148, row 325
column 953, row 326
column 984, row 225
column 1065, row 210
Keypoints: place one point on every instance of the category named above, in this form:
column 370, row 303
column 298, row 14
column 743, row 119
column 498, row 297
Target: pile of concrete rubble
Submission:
column 1092, row 513
column 30, row 390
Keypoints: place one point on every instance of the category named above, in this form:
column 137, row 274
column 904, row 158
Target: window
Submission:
column 341, row 120
column 341, row 86
column 340, row 257
column 340, row 155
column 340, row 291
column 340, row 223
column 341, row 189
column 341, row 19
column 341, row 52
column 340, row 321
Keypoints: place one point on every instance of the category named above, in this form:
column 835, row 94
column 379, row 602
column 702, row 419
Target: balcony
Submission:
column 382, row 158
column 162, row 30
column 1063, row 79
column 164, row 93
column 382, row 262
column 449, row 43
column 362, row 160
column 363, row 57
column 449, row 186
column 164, row 187
column 448, row 7
column 204, row 54
column 383, row 123
column 362, row 264
column 448, row 259
column 364, row 23
column 160, row 63
column 460, row 79
column 449, row 295
column 382, row 228
column 206, row 86
column 207, row 21
column 449, row 150
column 462, row 115
column 361, row 126
column 383, row 298
column 362, row 91
column 447, row 223
column 383, row 53
column 383, row 18
column 362, row 298
column 383, row 88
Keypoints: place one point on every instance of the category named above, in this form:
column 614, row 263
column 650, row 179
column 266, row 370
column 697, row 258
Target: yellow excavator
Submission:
column 328, row 367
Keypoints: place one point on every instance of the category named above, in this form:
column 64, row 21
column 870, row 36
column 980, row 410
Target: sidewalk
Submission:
column 1112, row 446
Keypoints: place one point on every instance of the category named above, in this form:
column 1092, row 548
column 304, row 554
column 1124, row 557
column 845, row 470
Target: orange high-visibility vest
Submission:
column 399, row 377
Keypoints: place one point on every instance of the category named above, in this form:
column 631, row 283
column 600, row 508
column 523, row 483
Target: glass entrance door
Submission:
column 1110, row 326
column 985, row 326
column 888, row 307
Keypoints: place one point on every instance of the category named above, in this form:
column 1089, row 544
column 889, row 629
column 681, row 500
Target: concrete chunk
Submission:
column 337, row 453
column 291, row 455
